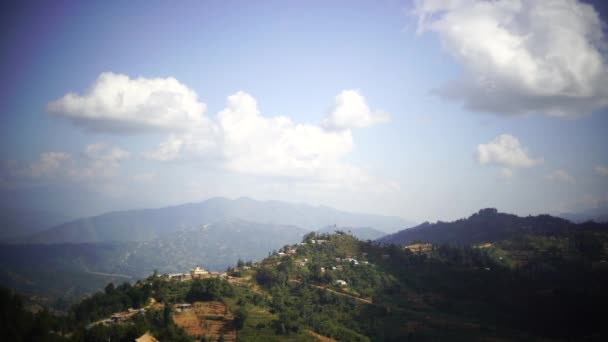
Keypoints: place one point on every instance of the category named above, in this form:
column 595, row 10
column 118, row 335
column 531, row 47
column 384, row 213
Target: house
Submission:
column 301, row 263
column 146, row 338
column 282, row 254
column 419, row 247
column 183, row 306
column 318, row 241
column 341, row 282
column 198, row 272
column 339, row 268
column 179, row 276
column 120, row 317
column 291, row 251
column 338, row 259
column 322, row 269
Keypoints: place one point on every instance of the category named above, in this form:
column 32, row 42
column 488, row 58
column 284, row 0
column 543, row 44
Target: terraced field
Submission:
column 209, row 319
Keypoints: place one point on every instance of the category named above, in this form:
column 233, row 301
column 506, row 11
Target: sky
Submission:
column 427, row 110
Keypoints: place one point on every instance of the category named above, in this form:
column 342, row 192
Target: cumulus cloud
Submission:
column 118, row 104
column 96, row 163
column 100, row 161
column 522, row 57
column 238, row 139
column 350, row 110
column 601, row 170
column 242, row 140
column 560, row 176
column 505, row 150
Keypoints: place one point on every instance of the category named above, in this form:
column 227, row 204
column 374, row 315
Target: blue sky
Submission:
column 373, row 123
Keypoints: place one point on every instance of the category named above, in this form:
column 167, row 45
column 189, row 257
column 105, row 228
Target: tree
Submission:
column 109, row 288
column 240, row 316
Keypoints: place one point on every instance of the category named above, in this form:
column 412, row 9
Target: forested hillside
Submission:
column 529, row 287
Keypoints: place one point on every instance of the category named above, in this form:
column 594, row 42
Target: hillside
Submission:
column 72, row 270
column 150, row 224
column 337, row 288
column 487, row 225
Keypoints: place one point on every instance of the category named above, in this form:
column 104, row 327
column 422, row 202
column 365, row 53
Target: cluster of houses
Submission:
column 420, row 248
column 197, row 273
column 118, row 317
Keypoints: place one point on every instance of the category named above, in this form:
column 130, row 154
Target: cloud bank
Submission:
column 522, row 57
column 97, row 163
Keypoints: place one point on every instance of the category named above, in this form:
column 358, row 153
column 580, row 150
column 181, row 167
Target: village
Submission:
column 209, row 319
column 213, row 319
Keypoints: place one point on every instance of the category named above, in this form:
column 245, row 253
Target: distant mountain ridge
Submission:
column 149, row 224
column 487, row 225
column 599, row 214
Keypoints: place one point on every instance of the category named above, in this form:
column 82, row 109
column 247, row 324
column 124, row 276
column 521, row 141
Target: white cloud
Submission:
column 116, row 103
column 522, row 57
column 48, row 164
column 350, row 110
column 560, row 176
column 101, row 161
column 241, row 140
column 601, row 170
column 505, row 150
column 98, row 162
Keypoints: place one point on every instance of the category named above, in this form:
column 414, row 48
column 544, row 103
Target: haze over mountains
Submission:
column 149, row 224
column 79, row 256
column 19, row 222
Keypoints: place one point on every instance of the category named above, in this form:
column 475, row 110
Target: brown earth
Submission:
column 209, row 319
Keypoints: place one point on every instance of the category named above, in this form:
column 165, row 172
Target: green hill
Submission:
column 534, row 286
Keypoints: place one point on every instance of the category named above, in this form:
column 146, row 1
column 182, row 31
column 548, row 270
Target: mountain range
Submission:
column 487, row 225
column 149, row 224
column 79, row 256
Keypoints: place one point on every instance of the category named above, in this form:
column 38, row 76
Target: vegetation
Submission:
column 532, row 285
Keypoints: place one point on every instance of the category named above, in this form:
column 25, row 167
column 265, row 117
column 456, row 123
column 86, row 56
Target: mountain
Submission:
column 599, row 214
column 361, row 233
column 214, row 246
column 536, row 287
column 19, row 222
column 150, row 224
column 487, row 225
column 74, row 270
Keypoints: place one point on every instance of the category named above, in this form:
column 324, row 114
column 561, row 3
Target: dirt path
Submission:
column 320, row 338
column 359, row 299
